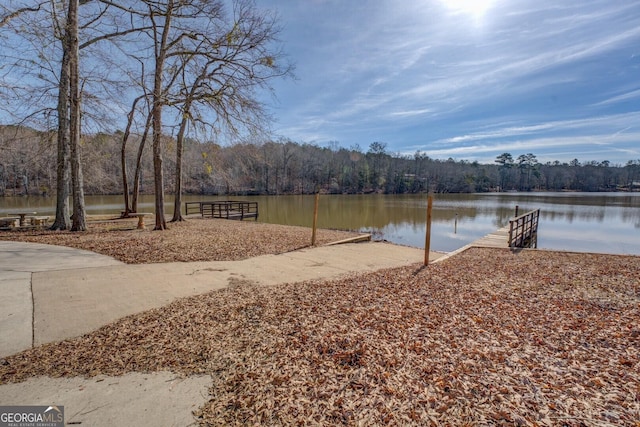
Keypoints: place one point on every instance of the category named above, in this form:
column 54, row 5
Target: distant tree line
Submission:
column 28, row 167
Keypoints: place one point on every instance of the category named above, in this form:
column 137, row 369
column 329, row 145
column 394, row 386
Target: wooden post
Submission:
column 315, row 220
column 510, row 241
column 516, row 211
column 427, row 237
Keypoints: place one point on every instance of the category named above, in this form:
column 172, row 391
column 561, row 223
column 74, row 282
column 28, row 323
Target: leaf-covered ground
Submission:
column 488, row 337
column 193, row 240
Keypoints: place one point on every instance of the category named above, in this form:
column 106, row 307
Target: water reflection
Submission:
column 594, row 222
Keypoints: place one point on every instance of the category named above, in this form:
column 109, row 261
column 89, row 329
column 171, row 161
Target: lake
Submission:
column 583, row 222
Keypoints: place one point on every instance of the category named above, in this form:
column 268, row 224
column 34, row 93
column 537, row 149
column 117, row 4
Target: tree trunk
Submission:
column 136, row 179
column 158, row 174
column 177, row 203
column 186, row 114
column 62, row 221
column 156, row 111
column 123, row 158
column 79, row 215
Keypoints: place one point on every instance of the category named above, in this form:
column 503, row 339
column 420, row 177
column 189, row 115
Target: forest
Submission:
column 28, row 167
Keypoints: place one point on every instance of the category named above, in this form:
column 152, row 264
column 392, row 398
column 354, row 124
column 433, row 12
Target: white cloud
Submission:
column 619, row 98
column 614, row 123
column 549, row 147
column 410, row 113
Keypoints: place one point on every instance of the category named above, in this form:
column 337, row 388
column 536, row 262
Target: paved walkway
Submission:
column 50, row 293
column 19, row 262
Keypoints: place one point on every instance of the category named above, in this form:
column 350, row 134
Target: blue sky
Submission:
column 467, row 79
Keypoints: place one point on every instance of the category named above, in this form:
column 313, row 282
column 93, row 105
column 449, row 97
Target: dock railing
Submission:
column 227, row 209
column 192, row 207
column 523, row 230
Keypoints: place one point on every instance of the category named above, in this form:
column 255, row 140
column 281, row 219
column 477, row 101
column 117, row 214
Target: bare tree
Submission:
column 208, row 68
column 7, row 14
column 62, row 220
column 69, row 118
column 223, row 65
column 131, row 205
column 34, row 59
column 52, row 30
column 123, row 157
column 72, row 48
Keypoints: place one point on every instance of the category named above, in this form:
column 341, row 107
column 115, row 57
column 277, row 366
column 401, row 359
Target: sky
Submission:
column 463, row 79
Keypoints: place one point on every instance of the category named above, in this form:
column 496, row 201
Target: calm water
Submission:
column 588, row 222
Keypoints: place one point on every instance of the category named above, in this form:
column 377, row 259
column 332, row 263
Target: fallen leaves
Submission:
column 193, row 240
column 487, row 337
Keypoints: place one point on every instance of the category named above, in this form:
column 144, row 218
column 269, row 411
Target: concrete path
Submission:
column 134, row 399
column 50, row 293
column 18, row 263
